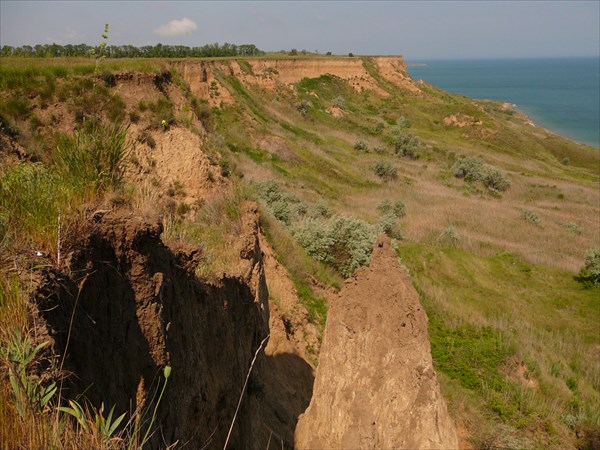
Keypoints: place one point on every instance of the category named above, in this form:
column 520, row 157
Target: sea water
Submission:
column 561, row 94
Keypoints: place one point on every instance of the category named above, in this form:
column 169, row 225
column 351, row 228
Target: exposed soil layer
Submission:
column 124, row 305
column 375, row 385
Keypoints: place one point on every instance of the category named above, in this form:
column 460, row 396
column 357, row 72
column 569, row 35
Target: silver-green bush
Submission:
column 385, row 170
column 474, row 168
column 590, row 272
column 342, row 242
column 406, row 145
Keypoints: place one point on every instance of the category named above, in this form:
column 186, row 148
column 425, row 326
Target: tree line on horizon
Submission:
column 131, row 51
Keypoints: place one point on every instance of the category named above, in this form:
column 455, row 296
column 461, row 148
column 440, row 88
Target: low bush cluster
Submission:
column 390, row 213
column 342, row 242
column 385, row 170
column 284, row 206
column 590, row 272
column 530, row 216
column 396, row 209
column 474, row 168
column 449, row 237
column 361, row 146
column 406, row 145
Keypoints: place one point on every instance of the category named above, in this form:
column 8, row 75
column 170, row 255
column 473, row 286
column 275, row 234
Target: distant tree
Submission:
column 350, row 54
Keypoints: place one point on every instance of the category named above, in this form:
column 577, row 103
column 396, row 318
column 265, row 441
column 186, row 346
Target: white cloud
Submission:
column 67, row 36
column 176, row 27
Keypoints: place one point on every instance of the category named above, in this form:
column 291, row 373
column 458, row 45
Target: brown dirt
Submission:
column 461, row 120
column 375, row 385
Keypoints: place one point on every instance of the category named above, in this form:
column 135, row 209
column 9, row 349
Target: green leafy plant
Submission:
column 21, row 356
column 166, row 374
column 93, row 158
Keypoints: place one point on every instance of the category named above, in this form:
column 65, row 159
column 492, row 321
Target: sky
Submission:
column 419, row 30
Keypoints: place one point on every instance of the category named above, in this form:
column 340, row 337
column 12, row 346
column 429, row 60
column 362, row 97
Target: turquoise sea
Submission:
column 560, row 94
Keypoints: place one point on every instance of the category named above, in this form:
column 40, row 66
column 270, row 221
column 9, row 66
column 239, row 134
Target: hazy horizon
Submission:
column 416, row 30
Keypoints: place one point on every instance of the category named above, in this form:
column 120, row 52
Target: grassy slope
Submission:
column 512, row 333
column 521, row 331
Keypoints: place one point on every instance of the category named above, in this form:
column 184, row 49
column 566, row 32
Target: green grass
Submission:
column 488, row 311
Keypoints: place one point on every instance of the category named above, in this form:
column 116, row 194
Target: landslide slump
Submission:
column 125, row 305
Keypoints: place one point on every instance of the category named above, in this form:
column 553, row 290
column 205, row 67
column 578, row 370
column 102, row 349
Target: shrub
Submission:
column 388, row 224
column 339, row 102
column 281, row 211
column 530, row 216
column 573, row 228
column 473, row 168
column 163, row 111
column 449, row 236
column 268, row 191
column 225, row 166
column 320, row 209
column 284, row 206
column 589, row 274
column 406, row 145
column 343, row 242
column 403, row 123
column 108, row 78
column 469, row 167
column 397, row 209
column 494, row 179
column 385, row 170
column 361, row 146
column 303, row 107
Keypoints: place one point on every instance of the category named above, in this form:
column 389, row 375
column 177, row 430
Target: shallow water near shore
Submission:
column 561, row 94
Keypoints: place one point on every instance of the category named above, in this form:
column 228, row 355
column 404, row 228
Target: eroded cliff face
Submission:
column 124, row 305
column 203, row 76
column 375, row 385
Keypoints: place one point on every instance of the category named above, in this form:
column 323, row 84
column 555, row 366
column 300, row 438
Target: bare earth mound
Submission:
column 375, row 385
